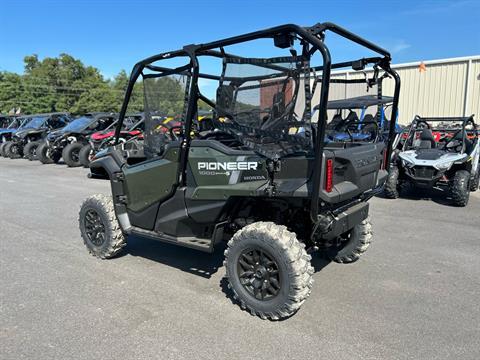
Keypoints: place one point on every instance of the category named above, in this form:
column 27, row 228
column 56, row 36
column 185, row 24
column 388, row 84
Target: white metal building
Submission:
column 448, row 87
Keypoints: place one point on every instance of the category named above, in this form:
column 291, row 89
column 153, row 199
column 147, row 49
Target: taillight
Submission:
column 329, row 176
column 384, row 164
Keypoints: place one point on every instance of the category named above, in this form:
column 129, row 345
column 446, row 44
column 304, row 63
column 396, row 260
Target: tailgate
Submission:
column 356, row 169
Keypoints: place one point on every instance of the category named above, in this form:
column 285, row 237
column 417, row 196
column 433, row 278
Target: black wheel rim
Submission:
column 259, row 274
column 94, row 228
column 75, row 156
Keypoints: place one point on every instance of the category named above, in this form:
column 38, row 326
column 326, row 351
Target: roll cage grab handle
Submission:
column 314, row 36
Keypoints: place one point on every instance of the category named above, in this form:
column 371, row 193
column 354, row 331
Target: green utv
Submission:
column 260, row 173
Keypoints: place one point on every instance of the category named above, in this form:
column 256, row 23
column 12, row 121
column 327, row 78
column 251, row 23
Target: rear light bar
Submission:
column 329, row 176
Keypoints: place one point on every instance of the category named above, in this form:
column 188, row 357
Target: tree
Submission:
column 64, row 83
column 10, row 92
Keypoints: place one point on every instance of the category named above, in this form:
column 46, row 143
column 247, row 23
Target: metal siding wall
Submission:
column 473, row 104
column 440, row 91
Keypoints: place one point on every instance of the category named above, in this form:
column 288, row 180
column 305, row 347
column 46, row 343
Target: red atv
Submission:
column 134, row 128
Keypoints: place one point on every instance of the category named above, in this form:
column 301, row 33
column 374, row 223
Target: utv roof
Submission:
column 99, row 113
column 44, row 114
column 444, row 119
column 358, row 102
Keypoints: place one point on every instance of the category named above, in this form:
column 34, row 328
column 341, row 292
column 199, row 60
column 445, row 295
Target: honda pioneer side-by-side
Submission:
column 67, row 142
column 258, row 174
column 437, row 152
column 133, row 127
column 25, row 141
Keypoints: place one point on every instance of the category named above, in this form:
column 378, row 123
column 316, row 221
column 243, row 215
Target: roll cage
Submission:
column 313, row 41
column 447, row 125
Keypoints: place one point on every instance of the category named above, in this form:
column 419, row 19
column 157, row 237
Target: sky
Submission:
column 114, row 35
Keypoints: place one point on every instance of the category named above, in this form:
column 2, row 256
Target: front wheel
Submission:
column 268, row 270
column 99, row 227
column 353, row 244
column 70, row 154
column 391, row 188
column 13, row 150
column 84, row 155
column 2, row 149
column 30, row 150
column 460, row 188
column 43, row 154
column 475, row 181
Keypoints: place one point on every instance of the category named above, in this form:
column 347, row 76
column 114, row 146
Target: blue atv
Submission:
column 13, row 124
column 363, row 122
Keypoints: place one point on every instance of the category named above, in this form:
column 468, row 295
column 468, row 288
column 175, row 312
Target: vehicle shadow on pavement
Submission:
column 185, row 259
column 438, row 196
column 319, row 261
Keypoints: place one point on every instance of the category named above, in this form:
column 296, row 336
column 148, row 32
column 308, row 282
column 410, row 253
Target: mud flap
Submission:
column 346, row 220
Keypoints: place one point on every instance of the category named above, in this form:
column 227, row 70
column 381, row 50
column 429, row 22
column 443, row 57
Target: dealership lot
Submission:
column 413, row 295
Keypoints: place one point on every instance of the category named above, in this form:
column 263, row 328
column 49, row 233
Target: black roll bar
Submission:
column 315, row 37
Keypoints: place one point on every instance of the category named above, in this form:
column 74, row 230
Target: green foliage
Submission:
column 66, row 84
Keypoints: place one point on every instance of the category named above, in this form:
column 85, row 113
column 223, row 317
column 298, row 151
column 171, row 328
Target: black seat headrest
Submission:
column 336, row 121
column 427, row 141
column 352, row 116
column 426, row 134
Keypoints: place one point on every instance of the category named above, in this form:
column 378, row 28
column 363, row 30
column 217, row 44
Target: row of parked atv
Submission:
column 55, row 136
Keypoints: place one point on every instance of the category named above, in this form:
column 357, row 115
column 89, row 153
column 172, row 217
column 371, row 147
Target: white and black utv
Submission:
column 437, row 152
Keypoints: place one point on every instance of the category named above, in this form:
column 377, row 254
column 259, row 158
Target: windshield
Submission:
column 23, row 123
column 35, row 122
column 14, row 124
column 79, row 124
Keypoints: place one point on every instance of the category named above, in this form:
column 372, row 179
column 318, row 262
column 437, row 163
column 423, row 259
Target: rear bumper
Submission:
column 333, row 225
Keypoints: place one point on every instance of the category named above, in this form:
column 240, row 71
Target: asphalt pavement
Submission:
column 414, row 295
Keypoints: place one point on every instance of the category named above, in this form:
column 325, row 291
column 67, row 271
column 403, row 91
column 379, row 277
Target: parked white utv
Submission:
column 437, row 152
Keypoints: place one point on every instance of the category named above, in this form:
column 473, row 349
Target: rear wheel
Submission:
column 30, row 150
column 99, row 227
column 84, row 155
column 70, row 154
column 460, row 188
column 391, row 188
column 13, row 150
column 353, row 244
column 268, row 270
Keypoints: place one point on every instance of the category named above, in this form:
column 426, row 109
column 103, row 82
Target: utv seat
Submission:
column 427, row 141
column 336, row 121
column 370, row 126
column 469, row 145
